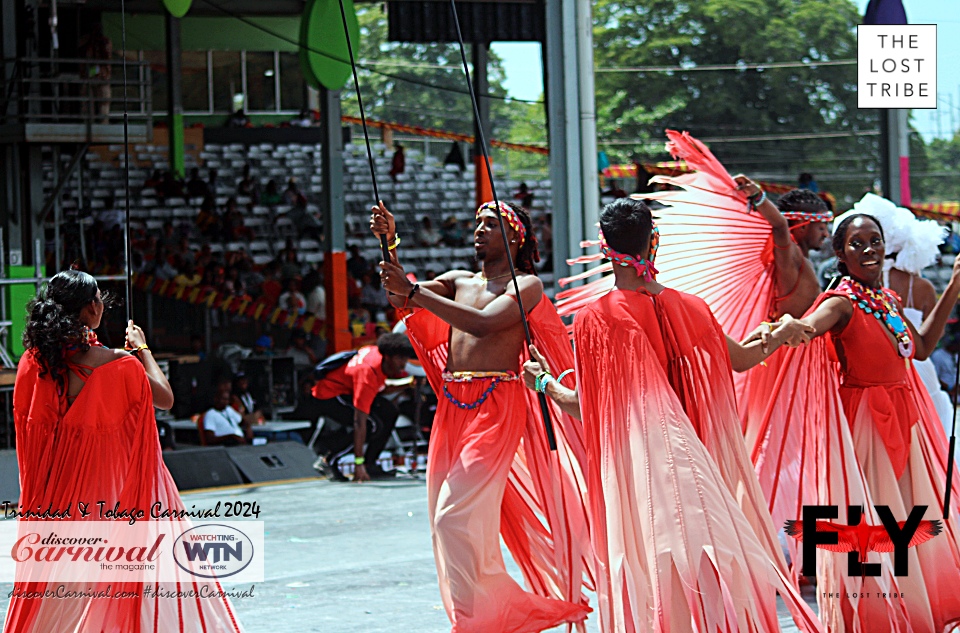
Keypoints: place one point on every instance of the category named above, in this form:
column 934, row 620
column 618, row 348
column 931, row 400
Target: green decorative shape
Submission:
column 177, row 8
column 323, row 42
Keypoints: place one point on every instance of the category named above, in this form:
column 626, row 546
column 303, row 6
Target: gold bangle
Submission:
column 396, row 243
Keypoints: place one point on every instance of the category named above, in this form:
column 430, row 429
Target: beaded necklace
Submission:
column 883, row 306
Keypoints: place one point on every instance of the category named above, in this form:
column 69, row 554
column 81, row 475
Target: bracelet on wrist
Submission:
column 757, row 199
column 563, row 374
column 359, row 461
column 141, row 348
column 395, row 244
column 541, row 381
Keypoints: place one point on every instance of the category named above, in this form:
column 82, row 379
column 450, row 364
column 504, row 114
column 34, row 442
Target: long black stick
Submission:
column 126, row 166
column 953, row 445
column 544, row 409
column 385, row 251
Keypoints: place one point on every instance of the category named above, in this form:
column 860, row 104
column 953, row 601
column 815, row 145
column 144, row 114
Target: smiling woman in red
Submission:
column 862, row 431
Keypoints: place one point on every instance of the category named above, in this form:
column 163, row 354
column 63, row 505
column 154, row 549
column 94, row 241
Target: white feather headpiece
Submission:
column 914, row 241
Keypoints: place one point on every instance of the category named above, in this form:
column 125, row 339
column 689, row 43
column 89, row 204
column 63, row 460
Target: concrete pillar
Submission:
column 174, row 96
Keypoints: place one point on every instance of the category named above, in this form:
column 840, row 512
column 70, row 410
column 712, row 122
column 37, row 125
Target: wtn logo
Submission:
column 221, row 551
column 858, row 537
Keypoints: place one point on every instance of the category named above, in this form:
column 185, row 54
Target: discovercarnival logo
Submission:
column 213, row 551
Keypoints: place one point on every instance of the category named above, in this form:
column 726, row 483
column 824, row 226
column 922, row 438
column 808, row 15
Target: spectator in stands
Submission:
column 196, row 186
column 292, row 299
column 428, row 236
column 204, row 257
column 359, row 317
column 188, row 275
column 184, row 250
column 110, row 215
column 271, row 287
column 524, row 196
column 372, row 296
column 316, row 294
column 452, row 234
column 233, row 228
column 197, row 347
column 807, row 181
column 98, row 48
column 212, row 181
column 271, row 196
column 945, row 360
column 238, row 119
column 289, row 261
column 248, row 185
column 304, row 358
column 263, row 346
column 162, row 266
column 170, row 187
column 306, row 222
column 154, row 181
column 544, row 228
column 356, row 264
column 233, row 284
column 398, row 164
column 243, row 401
column 168, row 238
column 208, row 221
column 351, row 396
column 455, row 157
column 222, row 424
column 292, row 194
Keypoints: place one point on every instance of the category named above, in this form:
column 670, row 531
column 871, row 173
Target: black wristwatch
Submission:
column 413, row 291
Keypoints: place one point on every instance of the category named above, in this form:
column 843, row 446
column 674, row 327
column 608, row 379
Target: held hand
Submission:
column 760, row 333
column 955, row 276
column 394, row 279
column 747, row 186
column 531, row 369
column 793, row 332
column 539, row 359
column 135, row 336
column 382, row 222
column 360, row 474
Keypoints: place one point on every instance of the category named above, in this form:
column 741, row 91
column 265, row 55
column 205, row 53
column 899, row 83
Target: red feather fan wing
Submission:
column 882, row 542
column 710, row 246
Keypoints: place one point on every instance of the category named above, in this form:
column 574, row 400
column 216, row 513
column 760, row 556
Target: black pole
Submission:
column 544, row 409
column 385, row 251
column 126, row 166
column 953, row 445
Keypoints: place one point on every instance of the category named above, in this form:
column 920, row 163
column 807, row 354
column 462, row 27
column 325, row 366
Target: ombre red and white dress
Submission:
column 490, row 474
column 103, row 447
column 681, row 532
column 863, row 431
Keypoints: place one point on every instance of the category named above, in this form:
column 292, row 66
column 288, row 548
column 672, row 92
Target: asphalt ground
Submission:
column 341, row 557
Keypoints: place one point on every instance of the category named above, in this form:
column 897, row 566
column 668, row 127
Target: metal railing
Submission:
column 86, row 91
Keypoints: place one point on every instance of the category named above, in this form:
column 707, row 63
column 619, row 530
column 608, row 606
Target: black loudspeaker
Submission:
column 9, row 476
column 202, row 468
column 272, row 462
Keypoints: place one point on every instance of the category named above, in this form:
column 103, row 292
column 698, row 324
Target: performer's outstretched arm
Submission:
column 383, row 223
column 567, row 399
column 926, row 338
column 162, row 392
column 756, row 348
column 498, row 315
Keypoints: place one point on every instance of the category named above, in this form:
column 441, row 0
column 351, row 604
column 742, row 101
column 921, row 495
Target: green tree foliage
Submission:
column 418, row 84
column 634, row 108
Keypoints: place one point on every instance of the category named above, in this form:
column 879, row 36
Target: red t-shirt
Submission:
column 362, row 376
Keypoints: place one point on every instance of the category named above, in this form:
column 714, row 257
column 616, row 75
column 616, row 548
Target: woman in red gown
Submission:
column 86, row 432
column 868, row 435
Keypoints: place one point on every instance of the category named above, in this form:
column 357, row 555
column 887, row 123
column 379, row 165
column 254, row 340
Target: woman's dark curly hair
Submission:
column 840, row 237
column 53, row 321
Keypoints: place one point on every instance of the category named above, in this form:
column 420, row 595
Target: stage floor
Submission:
column 342, row 558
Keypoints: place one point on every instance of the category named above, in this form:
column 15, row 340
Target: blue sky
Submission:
column 524, row 78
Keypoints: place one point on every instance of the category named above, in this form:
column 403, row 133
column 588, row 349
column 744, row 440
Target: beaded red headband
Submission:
column 809, row 216
column 509, row 215
column 645, row 267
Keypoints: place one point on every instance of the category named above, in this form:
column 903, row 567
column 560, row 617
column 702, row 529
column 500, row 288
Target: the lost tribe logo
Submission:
column 213, row 551
column 857, row 538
